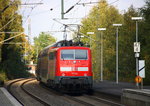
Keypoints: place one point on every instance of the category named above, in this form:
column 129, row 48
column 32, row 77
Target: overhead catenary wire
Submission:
column 98, row 7
column 16, row 17
column 68, row 27
column 10, row 32
column 31, row 11
column 24, row 8
column 72, row 7
column 73, row 19
column 8, row 23
column 11, row 38
column 14, row 43
column 94, row 3
column 56, row 6
column 12, row 16
column 7, row 7
column 35, row 5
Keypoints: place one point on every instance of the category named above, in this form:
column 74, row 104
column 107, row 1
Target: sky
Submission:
column 47, row 16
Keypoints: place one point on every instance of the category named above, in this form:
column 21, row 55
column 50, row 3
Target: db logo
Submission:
column 138, row 79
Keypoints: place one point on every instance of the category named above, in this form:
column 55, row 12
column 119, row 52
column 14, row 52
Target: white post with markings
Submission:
column 142, row 71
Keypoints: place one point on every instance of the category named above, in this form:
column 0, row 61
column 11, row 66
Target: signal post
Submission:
column 137, row 46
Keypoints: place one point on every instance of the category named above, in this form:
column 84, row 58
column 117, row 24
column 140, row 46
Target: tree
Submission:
column 11, row 54
column 127, row 72
column 144, row 37
column 40, row 42
column 102, row 15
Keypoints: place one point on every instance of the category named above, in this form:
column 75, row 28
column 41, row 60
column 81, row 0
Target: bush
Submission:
column 15, row 69
column 3, row 77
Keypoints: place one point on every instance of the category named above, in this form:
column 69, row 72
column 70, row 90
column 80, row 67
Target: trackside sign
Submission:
column 136, row 46
column 142, row 68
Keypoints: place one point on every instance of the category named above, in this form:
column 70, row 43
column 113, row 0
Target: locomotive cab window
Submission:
column 67, row 54
column 74, row 54
column 81, row 54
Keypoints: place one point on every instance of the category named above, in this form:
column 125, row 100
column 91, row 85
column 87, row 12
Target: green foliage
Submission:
column 144, row 37
column 3, row 76
column 103, row 15
column 42, row 41
column 11, row 54
column 14, row 67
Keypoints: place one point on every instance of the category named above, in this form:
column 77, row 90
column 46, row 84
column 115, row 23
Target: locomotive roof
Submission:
column 55, row 44
column 76, row 47
column 62, row 44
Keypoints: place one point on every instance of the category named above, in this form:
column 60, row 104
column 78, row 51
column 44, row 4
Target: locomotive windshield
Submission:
column 74, row 54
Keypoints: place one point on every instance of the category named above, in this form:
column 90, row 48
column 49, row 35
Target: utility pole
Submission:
column 137, row 50
column 101, row 29
column 62, row 9
column 29, row 27
column 90, row 33
column 117, row 25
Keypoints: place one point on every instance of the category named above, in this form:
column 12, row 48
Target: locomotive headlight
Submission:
column 85, row 74
column 83, row 69
column 63, row 74
column 65, row 68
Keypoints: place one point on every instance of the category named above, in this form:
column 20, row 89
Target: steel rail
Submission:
column 24, row 90
column 103, row 100
column 8, row 87
column 33, row 96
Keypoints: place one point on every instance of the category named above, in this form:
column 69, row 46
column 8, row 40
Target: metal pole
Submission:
column 137, row 73
column 37, row 52
column 25, row 53
column 101, row 56
column 117, row 56
column 62, row 9
column 136, row 31
column 142, row 84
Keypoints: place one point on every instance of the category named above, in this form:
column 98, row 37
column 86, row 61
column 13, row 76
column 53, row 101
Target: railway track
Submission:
column 92, row 100
column 103, row 100
column 29, row 95
column 87, row 100
column 34, row 93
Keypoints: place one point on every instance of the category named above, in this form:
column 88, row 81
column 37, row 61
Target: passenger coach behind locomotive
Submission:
column 63, row 65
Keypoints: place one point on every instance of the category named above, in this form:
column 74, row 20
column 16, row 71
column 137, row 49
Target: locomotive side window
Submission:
column 51, row 55
column 74, row 54
column 81, row 54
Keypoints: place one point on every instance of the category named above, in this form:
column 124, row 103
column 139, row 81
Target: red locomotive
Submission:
column 63, row 65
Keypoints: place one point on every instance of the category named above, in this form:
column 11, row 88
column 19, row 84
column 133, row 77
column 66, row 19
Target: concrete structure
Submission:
column 136, row 97
column 7, row 99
